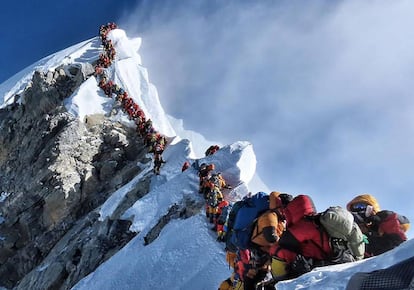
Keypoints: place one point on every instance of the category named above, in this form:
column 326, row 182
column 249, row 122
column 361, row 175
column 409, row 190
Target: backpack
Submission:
column 392, row 223
column 214, row 197
column 230, row 224
column 279, row 199
column 231, row 258
column 274, row 200
column 225, row 212
column 344, row 233
column 267, row 229
column 212, row 181
column 301, row 206
column 202, row 169
column 246, row 215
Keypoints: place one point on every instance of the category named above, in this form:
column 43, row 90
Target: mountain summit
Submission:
column 80, row 205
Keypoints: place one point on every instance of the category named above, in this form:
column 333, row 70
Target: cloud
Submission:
column 323, row 92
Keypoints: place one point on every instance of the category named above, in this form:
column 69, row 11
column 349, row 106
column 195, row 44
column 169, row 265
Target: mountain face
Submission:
column 56, row 171
column 67, row 150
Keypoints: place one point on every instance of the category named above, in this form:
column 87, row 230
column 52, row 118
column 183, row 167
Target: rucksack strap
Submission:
column 314, row 218
column 255, row 225
column 320, row 247
column 277, row 212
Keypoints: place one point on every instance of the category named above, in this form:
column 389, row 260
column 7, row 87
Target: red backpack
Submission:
column 390, row 224
column 302, row 205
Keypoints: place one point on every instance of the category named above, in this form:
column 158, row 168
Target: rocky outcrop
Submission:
column 185, row 209
column 84, row 247
column 55, row 172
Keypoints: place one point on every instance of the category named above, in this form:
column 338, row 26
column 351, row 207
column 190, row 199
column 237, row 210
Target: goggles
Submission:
column 359, row 207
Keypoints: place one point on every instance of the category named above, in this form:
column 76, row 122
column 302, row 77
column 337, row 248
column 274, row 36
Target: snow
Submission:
column 89, row 99
column 87, row 51
column 108, row 208
column 186, row 254
column 165, row 263
column 131, row 76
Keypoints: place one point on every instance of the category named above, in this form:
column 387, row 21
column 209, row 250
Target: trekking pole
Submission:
column 261, row 285
column 237, row 185
column 234, row 188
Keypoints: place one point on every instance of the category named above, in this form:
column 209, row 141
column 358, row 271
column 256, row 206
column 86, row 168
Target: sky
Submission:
column 192, row 259
column 323, row 91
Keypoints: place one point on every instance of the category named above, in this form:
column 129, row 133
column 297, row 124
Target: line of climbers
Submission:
column 154, row 141
column 270, row 237
column 274, row 237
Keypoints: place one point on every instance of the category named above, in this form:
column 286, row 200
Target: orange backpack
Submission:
column 267, row 230
column 274, row 200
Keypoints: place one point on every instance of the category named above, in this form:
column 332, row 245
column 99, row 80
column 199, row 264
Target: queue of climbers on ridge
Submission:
column 277, row 236
column 153, row 140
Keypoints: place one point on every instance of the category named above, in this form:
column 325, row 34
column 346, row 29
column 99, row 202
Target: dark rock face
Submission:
column 185, row 209
column 55, row 172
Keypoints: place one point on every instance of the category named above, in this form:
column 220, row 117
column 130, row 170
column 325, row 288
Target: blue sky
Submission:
column 322, row 90
column 46, row 26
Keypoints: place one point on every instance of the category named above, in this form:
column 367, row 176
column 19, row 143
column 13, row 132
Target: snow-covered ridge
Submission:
column 86, row 51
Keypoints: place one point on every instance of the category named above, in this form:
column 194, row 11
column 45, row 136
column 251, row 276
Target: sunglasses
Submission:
column 358, row 207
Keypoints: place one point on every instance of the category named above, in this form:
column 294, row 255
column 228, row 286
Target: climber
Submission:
column 148, row 126
column 158, row 161
column 302, row 243
column 223, row 210
column 186, row 165
column 204, row 174
column 267, row 230
column 150, row 138
column 216, row 179
column 270, row 225
column 211, row 150
column 254, row 269
column 384, row 229
column 257, row 227
column 213, row 198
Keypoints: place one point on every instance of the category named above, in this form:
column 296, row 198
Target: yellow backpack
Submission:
column 228, row 284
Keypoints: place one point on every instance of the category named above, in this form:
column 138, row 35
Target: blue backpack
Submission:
column 230, row 225
column 252, row 207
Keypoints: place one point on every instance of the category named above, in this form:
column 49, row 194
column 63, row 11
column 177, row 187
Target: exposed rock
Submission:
column 56, row 172
column 185, row 209
column 84, row 247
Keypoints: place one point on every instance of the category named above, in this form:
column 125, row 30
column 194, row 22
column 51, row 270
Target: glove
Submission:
column 301, row 265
